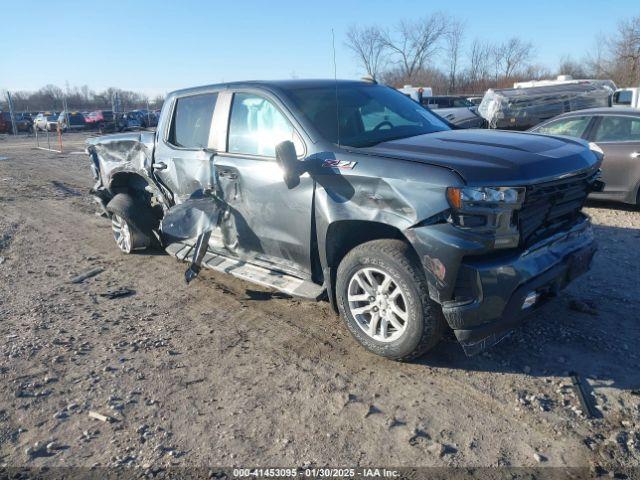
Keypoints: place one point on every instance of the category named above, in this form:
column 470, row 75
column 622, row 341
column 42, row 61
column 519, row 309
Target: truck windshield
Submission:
column 366, row 114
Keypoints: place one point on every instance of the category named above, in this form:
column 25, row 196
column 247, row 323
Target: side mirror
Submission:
column 288, row 160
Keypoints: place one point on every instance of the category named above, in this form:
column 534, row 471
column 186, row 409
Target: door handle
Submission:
column 227, row 174
column 160, row 166
column 635, row 155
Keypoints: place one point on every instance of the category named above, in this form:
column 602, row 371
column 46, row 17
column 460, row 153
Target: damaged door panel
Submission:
column 352, row 190
column 267, row 223
column 184, row 155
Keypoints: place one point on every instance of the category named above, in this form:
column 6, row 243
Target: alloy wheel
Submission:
column 378, row 304
column 121, row 233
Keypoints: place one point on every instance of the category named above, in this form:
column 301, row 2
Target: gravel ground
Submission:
column 224, row 373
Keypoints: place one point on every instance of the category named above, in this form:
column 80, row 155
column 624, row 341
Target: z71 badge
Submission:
column 343, row 164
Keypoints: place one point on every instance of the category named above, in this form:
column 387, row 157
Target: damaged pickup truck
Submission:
column 353, row 192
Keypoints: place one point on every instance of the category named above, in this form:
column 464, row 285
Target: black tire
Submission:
column 139, row 218
column 425, row 323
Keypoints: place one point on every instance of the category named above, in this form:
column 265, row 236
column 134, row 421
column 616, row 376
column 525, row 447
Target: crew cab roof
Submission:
column 270, row 84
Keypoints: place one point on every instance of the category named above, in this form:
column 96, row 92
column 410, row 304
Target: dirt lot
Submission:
column 223, row 373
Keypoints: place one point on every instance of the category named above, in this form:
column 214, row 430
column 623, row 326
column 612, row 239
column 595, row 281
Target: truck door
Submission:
column 183, row 159
column 266, row 223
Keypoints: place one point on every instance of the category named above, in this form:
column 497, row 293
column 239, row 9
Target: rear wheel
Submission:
column 132, row 222
column 383, row 298
column 122, row 233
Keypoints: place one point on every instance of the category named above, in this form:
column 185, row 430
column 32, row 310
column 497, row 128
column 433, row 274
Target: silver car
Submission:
column 617, row 132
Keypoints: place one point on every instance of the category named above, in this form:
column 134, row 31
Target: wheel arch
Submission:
column 342, row 236
column 127, row 181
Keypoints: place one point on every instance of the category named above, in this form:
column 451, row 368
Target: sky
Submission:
column 155, row 47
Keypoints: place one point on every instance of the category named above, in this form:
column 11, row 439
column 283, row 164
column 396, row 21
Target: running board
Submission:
column 251, row 273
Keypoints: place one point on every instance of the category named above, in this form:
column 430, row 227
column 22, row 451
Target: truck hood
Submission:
column 493, row 157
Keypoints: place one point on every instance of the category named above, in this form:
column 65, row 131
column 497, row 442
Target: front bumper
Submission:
column 482, row 297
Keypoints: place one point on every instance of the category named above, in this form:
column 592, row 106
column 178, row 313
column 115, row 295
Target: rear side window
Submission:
column 618, row 129
column 256, row 126
column 191, row 123
column 572, row 127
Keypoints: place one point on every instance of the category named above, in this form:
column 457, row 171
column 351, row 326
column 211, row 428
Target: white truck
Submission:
column 626, row 97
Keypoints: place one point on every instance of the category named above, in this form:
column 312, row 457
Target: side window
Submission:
column 191, row 121
column 572, row 127
column 376, row 116
column 623, row 97
column 618, row 129
column 256, row 126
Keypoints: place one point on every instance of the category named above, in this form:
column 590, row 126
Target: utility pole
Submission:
column 14, row 127
column 66, row 110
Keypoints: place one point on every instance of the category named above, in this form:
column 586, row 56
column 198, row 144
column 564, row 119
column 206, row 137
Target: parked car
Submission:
column 100, row 119
column 147, row 118
column 617, row 133
column 406, row 225
column 462, row 117
column 457, row 110
column 72, row 121
column 129, row 121
column 5, row 122
column 89, row 119
column 46, row 121
column 122, row 122
column 23, row 124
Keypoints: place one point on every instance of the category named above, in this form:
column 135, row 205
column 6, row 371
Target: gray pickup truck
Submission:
column 351, row 191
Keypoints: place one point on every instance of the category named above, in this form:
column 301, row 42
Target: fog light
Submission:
column 530, row 300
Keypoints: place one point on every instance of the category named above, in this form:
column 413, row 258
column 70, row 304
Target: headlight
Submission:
column 461, row 197
column 595, row 148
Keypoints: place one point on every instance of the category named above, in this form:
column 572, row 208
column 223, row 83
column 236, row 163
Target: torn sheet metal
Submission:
column 114, row 156
column 190, row 219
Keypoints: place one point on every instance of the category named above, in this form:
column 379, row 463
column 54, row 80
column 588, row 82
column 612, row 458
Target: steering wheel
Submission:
column 382, row 124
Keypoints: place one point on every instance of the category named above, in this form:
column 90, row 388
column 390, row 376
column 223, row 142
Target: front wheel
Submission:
column 383, row 298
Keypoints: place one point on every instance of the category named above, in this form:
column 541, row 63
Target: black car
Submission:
column 72, row 121
column 447, row 101
column 23, row 122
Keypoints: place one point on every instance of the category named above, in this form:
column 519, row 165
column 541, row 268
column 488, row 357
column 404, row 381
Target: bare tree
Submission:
column 596, row 62
column 625, row 52
column 509, row 57
column 568, row 66
column 453, row 40
column 369, row 48
column 414, row 42
column 479, row 60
